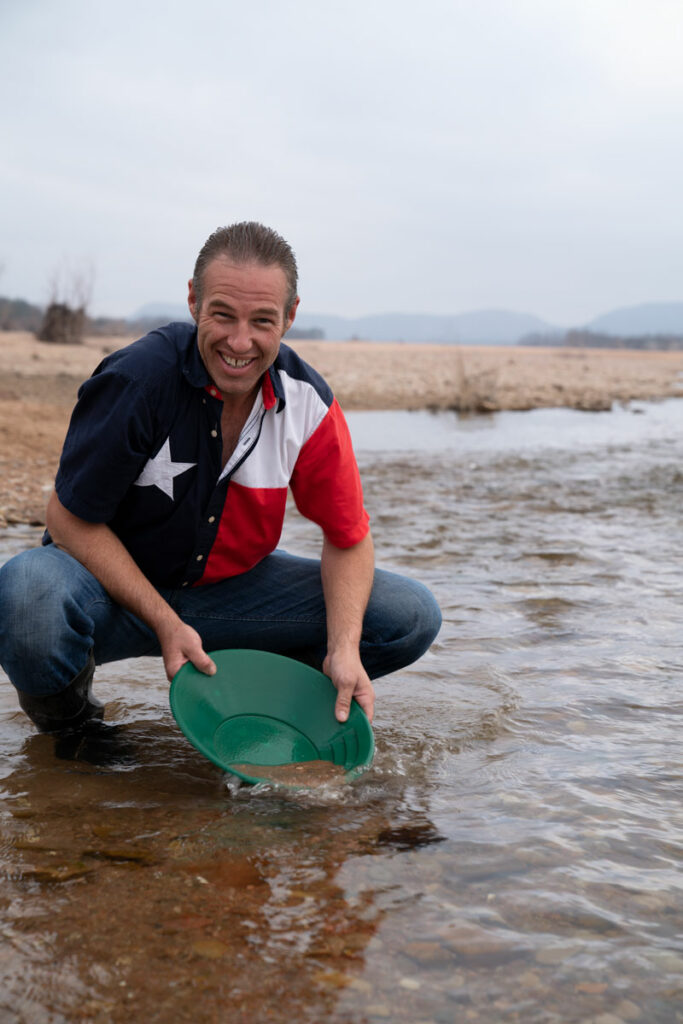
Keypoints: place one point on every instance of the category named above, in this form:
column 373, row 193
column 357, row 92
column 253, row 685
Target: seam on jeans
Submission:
column 249, row 618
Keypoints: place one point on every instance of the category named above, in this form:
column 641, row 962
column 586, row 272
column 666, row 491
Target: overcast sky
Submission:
column 425, row 156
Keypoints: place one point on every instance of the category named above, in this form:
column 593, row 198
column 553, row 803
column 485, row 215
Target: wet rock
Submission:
column 332, row 979
column 594, row 988
column 22, row 811
column 606, row 1018
column 471, row 942
column 57, row 873
column 556, row 954
column 530, row 979
column 136, row 854
column 666, row 960
column 628, row 1010
column 428, row 953
column 211, row 949
column 227, row 873
column 410, row 983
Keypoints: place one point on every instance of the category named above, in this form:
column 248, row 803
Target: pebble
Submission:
column 665, row 960
column 606, row 1018
column 556, row 954
column 628, row 1010
column 530, row 979
column 428, row 953
column 473, row 942
column 410, row 983
column 332, row 979
column 211, row 949
column 378, row 1010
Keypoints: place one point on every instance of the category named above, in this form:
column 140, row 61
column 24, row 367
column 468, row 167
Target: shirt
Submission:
column 143, row 454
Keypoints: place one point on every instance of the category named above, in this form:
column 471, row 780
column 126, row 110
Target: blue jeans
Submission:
column 53, row 612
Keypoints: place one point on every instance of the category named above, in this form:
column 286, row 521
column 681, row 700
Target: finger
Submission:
column 368, row 705
column 343, row 704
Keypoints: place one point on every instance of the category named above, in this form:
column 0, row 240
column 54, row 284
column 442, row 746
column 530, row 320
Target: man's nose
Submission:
column 239, row 338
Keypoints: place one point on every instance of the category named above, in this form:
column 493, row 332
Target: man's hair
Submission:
column 247, row 242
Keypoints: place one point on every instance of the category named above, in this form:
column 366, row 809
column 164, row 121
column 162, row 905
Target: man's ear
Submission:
column 192, row 299
column 289, row 319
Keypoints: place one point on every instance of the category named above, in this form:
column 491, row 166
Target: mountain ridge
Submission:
column 484, row 326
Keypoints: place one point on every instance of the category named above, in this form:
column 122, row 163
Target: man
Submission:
column 169, row 501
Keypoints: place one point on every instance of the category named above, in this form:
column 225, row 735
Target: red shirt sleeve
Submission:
column 326, row 483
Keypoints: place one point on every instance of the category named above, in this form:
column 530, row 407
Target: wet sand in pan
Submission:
column 300, row 773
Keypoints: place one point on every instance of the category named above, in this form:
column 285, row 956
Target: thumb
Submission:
column 204, row 663
column 342, row 706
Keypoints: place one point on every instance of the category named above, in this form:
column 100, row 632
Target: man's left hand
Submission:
column 346, row 671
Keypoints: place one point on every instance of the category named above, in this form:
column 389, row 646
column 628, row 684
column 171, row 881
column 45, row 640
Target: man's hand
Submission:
column 181, row 643
column 346, row 671
column 96, row 547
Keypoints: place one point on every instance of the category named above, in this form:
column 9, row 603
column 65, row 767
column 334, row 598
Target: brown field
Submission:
column 39, row 381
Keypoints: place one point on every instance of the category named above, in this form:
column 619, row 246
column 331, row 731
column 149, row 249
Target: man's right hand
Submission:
column 96, row 547
column 181, row 643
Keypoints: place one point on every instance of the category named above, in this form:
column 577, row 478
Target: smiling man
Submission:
column 169, row 503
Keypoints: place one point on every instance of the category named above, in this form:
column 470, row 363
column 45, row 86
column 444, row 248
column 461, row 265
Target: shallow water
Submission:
column 514, row 852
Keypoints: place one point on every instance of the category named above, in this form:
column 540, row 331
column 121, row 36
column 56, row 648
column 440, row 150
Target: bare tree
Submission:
column 66, row 315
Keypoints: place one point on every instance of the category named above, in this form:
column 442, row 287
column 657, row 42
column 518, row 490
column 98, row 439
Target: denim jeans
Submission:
column 53, row 612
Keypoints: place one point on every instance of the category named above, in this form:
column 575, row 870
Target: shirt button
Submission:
column 212, row 519
column 199, row 557
column 185, row 583
column 214, row 433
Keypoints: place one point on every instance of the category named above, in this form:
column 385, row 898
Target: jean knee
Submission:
column 403, row 622
column 423, row 620
column 429, row 618
column 34, row 602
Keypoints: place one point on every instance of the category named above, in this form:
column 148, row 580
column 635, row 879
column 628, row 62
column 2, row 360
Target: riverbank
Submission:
column 38, row 385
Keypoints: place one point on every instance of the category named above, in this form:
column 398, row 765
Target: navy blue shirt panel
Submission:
column 144, row 398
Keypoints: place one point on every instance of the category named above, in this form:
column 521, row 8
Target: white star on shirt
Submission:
column 160, row 470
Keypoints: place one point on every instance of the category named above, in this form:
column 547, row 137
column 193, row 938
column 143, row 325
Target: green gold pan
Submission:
column 262, row 710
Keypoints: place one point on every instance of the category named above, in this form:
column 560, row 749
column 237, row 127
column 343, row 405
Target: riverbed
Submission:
column 513, row 853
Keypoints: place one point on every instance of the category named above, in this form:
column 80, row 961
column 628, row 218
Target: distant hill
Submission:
column 19, row 315
column 495, row 327
column 478, row 327
column 161, row 312
column 481, row 327
column 665, row 318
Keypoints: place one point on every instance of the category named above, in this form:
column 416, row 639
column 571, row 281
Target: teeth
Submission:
column 235, row 362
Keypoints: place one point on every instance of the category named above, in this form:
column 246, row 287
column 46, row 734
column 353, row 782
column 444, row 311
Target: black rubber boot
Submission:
column 68, row 710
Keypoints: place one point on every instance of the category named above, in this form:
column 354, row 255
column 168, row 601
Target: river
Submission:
column 514, row 852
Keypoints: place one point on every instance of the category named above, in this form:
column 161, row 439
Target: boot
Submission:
column 68, row 710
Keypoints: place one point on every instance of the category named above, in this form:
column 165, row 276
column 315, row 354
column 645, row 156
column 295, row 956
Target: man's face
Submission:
column 240, row 323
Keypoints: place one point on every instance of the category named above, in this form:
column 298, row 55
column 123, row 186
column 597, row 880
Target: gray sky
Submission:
column 432, row 156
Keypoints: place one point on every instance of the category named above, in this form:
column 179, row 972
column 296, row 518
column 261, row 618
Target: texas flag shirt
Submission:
column 143, row 454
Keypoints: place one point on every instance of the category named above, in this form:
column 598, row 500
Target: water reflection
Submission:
column 514, row 853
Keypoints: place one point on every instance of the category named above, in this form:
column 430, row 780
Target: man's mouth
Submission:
column 236, row 364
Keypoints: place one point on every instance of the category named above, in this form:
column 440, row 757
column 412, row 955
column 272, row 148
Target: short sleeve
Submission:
column 110, row 437
column 326, row 484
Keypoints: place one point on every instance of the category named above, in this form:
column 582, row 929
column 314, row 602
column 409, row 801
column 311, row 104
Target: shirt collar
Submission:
column 273, row 391
column 194, row 370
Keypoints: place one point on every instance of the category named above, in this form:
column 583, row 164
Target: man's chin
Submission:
column 232, row 387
